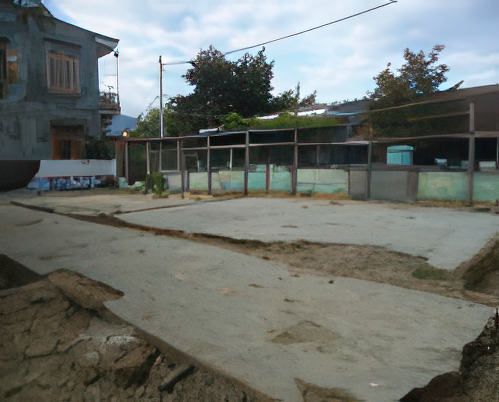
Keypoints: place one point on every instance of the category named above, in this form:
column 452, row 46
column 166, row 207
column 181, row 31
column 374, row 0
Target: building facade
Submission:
column 49, row 88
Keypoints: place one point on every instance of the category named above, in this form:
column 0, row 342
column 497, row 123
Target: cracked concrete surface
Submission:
column 201, row 300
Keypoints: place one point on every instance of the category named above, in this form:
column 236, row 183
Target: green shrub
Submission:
column 155, row 182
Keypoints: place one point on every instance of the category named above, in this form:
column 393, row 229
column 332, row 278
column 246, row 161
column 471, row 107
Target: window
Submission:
column 63, row 72
column 9, row 67
column 13, row 66
column 68, row 142
column 3, row 71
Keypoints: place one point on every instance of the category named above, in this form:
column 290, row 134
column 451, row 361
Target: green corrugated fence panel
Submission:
column 256, row 180
column 486, row 187
column 280, row 181
column 443, row 186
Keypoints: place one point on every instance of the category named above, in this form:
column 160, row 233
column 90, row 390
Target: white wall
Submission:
column 87, row 167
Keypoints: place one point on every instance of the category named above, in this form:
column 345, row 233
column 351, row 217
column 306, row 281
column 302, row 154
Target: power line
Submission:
column 311, row 29
column 294, row 34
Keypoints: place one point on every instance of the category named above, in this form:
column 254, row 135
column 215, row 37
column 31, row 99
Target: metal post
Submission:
column 119, row 155
column 160, row 157
column 267, row 174
column 317, row 156
column 182, row 168
column 471, row 153
column 369, row 170
column 127, row 161
column 148, row 157
column 208, row 163
column 161, row 122
column 246, row 164
column 178, row 155
column 230, row 158
column 116, row 54
column 294, row 175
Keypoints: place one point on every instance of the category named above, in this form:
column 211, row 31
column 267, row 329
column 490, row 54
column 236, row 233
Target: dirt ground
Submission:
column 59, row 343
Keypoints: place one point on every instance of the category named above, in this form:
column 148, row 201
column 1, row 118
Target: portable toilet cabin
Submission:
column 399, row 155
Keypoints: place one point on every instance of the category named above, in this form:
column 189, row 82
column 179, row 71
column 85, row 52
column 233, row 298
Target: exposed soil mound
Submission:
column 482, row 275
column 478, row 376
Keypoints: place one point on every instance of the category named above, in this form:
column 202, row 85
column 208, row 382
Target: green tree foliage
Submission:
column 99, row 149
column 147, row 124
column 418, row 77
column 221, row 87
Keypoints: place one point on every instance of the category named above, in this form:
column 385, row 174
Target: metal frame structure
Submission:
column 208, row 148
column 182, row 148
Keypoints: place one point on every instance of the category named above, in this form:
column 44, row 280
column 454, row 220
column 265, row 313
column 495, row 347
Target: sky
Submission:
column 339, row 61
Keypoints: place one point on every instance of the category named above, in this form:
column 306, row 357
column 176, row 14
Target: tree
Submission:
column 418, row 77
column 222, row 87
column 147, row 124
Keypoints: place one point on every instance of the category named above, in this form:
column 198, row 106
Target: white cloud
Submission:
column 339, row 60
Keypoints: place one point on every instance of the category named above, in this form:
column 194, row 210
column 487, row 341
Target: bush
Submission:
column 156, row 182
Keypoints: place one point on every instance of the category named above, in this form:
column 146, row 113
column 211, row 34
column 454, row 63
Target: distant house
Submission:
column 49, row 89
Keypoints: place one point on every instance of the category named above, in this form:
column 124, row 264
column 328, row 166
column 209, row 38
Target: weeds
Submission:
column 156, row 182
column 426, row 271
column 479, row 270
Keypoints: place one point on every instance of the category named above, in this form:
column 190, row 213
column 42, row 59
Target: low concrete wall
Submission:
column 325, row 181
column 443, row 186
column 454, row 186
column 174, row 181
column 231, row 180
column 257, row 180
column 357, row 184
column 394, row 185
column 486, row 186
column 76, row 168
column 198, row 181
column 316, row 180
column 387, row 183
column 280, row 181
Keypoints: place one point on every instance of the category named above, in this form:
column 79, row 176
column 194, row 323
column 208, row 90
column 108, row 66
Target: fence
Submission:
column 304, row 160
column 290, row 160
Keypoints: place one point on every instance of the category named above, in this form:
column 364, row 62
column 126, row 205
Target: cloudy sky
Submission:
column 339, row 61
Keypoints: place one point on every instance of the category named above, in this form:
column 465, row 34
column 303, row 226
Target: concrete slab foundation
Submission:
column 446, row 237
column 250, row 317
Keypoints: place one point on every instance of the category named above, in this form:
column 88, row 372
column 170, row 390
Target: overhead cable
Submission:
column 292, row 35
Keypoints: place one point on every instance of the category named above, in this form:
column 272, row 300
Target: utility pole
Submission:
column 116, row 54
column 161, row 122
column 471, row 153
